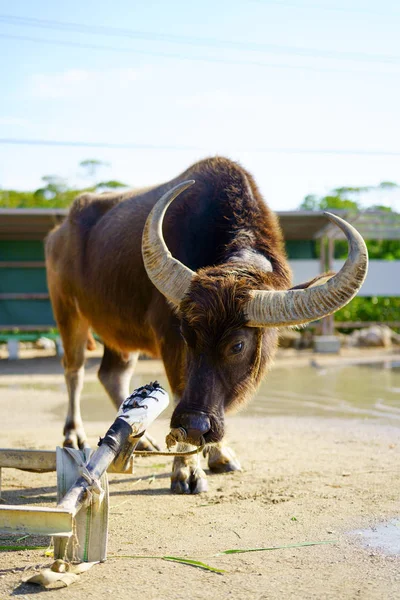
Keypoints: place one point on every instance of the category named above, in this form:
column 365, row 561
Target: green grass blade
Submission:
column 300, row 545
column 193, row 563
column 133, row 556
column 184, row 561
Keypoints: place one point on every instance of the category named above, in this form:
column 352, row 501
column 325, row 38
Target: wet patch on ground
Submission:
column 384, row 537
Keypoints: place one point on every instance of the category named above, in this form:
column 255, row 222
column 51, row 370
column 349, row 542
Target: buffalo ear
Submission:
column 318, row 280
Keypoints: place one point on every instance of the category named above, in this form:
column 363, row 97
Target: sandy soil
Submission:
column 303, row 480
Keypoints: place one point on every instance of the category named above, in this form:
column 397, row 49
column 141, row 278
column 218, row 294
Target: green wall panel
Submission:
column 21, row 250
column 25, row 312
column 23, row 280
column 301, row 249
column 33, row 280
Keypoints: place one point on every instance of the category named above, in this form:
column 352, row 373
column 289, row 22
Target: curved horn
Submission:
column 297, row 307
column 167, row 273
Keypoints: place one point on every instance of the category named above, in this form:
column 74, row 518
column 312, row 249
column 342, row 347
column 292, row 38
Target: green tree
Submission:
column 55, row 186
column 55, row 191
column 112, row 184
column 361, row 309
column 310, row 202
column 91, row 165
column 334, row 200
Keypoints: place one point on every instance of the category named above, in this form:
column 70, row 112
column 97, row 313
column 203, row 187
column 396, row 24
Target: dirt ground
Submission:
column 304, row 480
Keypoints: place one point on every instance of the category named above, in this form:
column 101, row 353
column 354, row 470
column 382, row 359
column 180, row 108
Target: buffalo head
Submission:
column 229, row 316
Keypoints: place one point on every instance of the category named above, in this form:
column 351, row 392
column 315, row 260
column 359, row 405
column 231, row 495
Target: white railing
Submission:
column 383, row 277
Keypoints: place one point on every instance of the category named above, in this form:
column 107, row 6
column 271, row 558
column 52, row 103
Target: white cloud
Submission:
column 81, row 82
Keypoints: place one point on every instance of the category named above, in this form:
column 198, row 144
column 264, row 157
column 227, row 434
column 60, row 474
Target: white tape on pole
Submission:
column 140, row 409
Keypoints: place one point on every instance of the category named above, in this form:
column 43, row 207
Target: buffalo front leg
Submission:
column 221, row 458
column 74, row 433
column 74, row 333
column 115, row 374
column 187, row 475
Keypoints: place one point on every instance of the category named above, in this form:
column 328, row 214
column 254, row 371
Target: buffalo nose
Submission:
column 196, row 425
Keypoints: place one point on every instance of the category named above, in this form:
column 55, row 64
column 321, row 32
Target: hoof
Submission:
column 194, row 482
column 180, row 487
column 198, row 485
column 75, row 440
column 70, row 443
column 223, row 460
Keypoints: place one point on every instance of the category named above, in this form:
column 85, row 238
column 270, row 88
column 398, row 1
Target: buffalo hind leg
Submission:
column 115, row 374
column 221, row 458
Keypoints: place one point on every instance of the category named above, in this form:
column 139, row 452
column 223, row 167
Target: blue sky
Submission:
column 253, row 80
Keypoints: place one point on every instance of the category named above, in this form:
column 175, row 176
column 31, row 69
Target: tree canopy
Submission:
column 56, row 192
column 346, row 198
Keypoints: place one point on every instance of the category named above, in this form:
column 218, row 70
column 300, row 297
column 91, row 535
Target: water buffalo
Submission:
column 203, row 283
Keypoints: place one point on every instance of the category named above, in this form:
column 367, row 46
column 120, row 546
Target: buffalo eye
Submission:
column 237, row 348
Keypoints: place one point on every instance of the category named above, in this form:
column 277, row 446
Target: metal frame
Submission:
column 43, row 461
column 36, row 520
column 57, row 522
column 82, row 485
